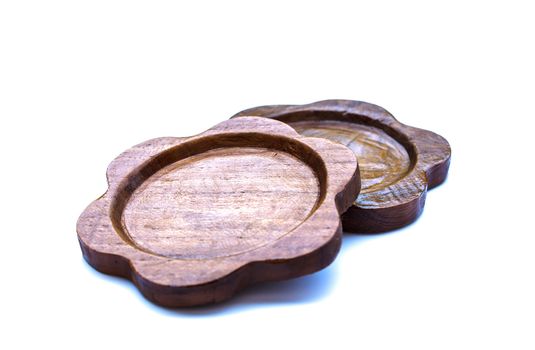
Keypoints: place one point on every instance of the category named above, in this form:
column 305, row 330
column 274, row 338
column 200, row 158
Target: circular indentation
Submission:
column 382, row 159
column 221, row 202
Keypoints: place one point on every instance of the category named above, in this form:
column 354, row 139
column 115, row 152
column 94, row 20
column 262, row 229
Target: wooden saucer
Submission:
column 193, row 220
column 398, row 163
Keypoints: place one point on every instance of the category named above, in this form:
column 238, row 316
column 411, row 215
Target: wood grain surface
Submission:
column 193, row 220
column 398, row 163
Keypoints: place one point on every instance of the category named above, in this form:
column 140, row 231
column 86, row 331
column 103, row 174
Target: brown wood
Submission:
column 398, row 163
column 193, row 220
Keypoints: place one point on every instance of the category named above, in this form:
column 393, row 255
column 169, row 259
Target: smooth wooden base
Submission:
column 398, row 163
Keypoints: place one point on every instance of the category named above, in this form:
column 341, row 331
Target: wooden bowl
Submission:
column 193, row 220
column 398, row 163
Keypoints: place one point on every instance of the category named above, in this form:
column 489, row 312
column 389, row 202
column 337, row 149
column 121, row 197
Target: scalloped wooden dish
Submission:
column 398, row 163
column 193, row 220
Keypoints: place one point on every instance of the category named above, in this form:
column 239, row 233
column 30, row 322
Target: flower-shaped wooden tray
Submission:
column 398, row 163
column 193, row 220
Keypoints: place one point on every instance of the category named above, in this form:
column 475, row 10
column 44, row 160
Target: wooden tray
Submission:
column 192, row 220
column 398, row 163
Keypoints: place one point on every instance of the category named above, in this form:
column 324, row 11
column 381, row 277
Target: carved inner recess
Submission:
column 221, row 202
column 382, row 159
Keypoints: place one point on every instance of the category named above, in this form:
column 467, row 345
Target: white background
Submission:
column 82, row 81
